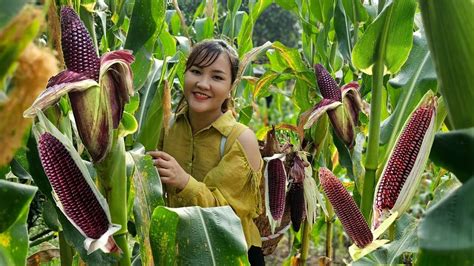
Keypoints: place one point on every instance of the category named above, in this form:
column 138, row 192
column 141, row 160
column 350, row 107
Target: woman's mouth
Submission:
column 200, row 96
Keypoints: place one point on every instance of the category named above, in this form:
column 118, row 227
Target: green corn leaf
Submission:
column 204, row 28
column 14, row 203
column 449, row 27
column 445, row 233
column 15, row 200
column 355, row 11
column 454, row 151
column 343, row 30
column 148, row 195
column 405, row 241
column 197, row 236
column 147, row 21
column 396, row 24
column 415, row 78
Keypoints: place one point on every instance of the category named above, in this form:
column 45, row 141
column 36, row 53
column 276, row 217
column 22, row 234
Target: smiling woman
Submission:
column 207, row 158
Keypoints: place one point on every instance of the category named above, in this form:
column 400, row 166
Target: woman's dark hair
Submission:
column 205, row 54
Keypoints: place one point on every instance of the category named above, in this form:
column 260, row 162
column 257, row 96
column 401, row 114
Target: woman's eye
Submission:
column 195, row 71
column 218, row 78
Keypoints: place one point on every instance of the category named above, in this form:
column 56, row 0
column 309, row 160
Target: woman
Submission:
column 207, row 158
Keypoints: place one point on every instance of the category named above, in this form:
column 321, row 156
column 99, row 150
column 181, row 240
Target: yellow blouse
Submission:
column 215, row 181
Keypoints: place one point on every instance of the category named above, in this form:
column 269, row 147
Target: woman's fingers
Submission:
column 160, row 154
column 160, row 162
column 164, row 173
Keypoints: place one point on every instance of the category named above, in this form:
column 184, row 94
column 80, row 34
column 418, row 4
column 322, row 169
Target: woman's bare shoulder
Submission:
column 249, row 143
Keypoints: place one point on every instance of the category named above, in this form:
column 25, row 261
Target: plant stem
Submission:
column 66, row 252
column 112, row 182
column 305, row 242
column 45, row 232
column 332, row 55
column 41, row 240
column 371, row 162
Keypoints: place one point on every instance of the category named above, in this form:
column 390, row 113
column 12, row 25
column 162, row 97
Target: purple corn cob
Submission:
column 79, row 53
column 346, row 209
column 327, row 85
column 76, row 196
column 403, row 158
column 276, row 188
column 297, row 204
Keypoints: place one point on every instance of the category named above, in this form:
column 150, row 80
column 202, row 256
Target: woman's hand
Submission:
column 171, row 173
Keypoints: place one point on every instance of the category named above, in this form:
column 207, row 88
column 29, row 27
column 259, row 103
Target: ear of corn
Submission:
column 327, row 85
column 80, row 55
column 345, row 208
column 402, row 172
column 297, row 204
column 74, row 195
column 276, row 178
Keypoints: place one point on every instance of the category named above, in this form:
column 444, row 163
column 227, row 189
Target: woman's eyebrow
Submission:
column 218, row 71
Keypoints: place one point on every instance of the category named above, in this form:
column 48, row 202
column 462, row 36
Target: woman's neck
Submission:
column 199, row 121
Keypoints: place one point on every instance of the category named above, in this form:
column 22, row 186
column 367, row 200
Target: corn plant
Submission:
column 367, row 124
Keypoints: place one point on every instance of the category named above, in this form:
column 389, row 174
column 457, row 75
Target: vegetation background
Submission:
column 397, row 51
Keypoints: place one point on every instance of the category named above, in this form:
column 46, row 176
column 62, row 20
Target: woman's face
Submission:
column 206, row 88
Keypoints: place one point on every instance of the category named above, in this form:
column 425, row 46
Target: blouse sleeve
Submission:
column 232, row 182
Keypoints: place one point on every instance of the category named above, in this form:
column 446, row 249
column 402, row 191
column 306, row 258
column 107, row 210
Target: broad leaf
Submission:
column 405, row 240
column 204, row 28
column 355, row 11
column 445, row 233
column 197, row 236
column 147, row 21
column 343, row 31
column 15, row 201
column 151, row 92
column 454, row 151
column 148, row 195
column 15, row 241
column 449, row 29
column 392, row 30
column 415, row 78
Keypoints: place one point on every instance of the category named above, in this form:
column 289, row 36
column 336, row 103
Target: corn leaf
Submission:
column 148, row 195
column 416, row 77
column 146, row 23
column 343, row 30
column 13, row 227
column 454, row 151
column 197, row 236
column 445, row 233
column 393, row 28
column 449, row 27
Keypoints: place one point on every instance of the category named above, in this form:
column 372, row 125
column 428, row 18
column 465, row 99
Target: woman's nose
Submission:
column 203, row 84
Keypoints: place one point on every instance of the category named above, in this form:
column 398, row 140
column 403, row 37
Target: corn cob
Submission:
column 403, row 169
column 74, row 193
column 276, row 187
column 346, row 209
column 80, row 55
column 297, row 204
column 327, row 85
